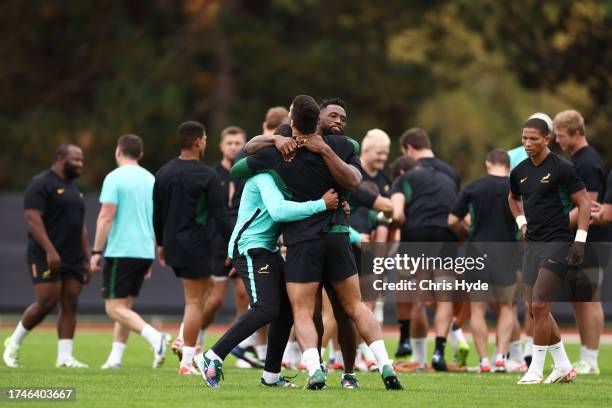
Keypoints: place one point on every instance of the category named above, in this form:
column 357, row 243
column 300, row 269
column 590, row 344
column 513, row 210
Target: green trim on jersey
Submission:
column 355, row 143
column 565, row 199
column 202, row 210
column 337, row 229
column 472, row 211
column 407, row 189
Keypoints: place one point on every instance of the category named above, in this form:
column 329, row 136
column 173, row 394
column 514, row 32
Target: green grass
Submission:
column 137, row 385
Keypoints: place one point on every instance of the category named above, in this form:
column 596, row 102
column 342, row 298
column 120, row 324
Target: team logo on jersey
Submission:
column 264, row 269
column 46, row 274
column 545, row 179
column 524, row 179
column 61, row 190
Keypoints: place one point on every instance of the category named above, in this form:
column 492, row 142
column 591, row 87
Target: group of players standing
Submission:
column 303, row 178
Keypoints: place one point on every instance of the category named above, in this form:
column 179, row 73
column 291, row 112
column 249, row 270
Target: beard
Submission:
column 70, row 171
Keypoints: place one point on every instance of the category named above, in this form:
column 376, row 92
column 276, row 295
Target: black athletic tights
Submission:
column 262, row 272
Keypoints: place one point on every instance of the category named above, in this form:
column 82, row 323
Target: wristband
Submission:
column 581, row 236
column 521, row 220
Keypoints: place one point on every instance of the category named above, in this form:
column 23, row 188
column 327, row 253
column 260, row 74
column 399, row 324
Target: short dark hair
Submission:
column 130, row 145
column 305, row 114
column 402, row 165
column 538, row 124
column 415, row 137
column 233, row 130
column 284, row 130
column 499, row 157
column 333, row 101
column 62, row 150
column 189, row 132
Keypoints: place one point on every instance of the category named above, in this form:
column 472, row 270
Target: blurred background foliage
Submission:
column 468, row 71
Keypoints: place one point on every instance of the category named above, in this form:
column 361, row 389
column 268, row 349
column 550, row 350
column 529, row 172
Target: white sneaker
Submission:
column 561, row 376
column 108, row 366
column 530, row 378
column 70, row 362
column 159, row 354
column 11, row 353
column 361, row 365
column 582, row 367
column 516, row 367
column 243, row 364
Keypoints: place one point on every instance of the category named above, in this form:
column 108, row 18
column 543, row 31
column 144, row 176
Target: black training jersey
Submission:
column 381, row 180
column 592, row 171
column 63, row 211
column 486, row 200
column 546, row 191
column 305, row 178
column 189, row 209
column 436, row 164
column 430, row 196
column 608, row 196
column 224, row 181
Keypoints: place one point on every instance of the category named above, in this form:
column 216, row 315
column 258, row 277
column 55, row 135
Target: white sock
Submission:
column 582, row 350
column 296, row 353
column 330, row 350
column 494, row 352
column 456, row 336
column 560, row 356
column 151, row 335
column 338, row 357
column 419, row 347
column 500, row 357
column 485, row 361
column 211, row 355
column 527, row 350
column 188, row 353
column 590, row 356
column 537, row 359
column 116, row 354
column 19, row 334
column 380, row 352
column 261, row 350
column 64, row 349
column 249, row 341
column 366, row 352
column 358, row 355
column 287, row 353
column 200, row 339
column 311, row 358
column 270, row 378
column 180, row 335
column 514, row 348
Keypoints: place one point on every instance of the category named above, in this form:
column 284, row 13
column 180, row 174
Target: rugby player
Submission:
column 57, row 256
column 255, row 253
column 125, row 226
column 422, row 199
column 540, row 192
column 570, row 134
column 485, row 200
column 188, row 210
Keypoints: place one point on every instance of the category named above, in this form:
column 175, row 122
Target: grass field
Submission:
column 137, row 385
